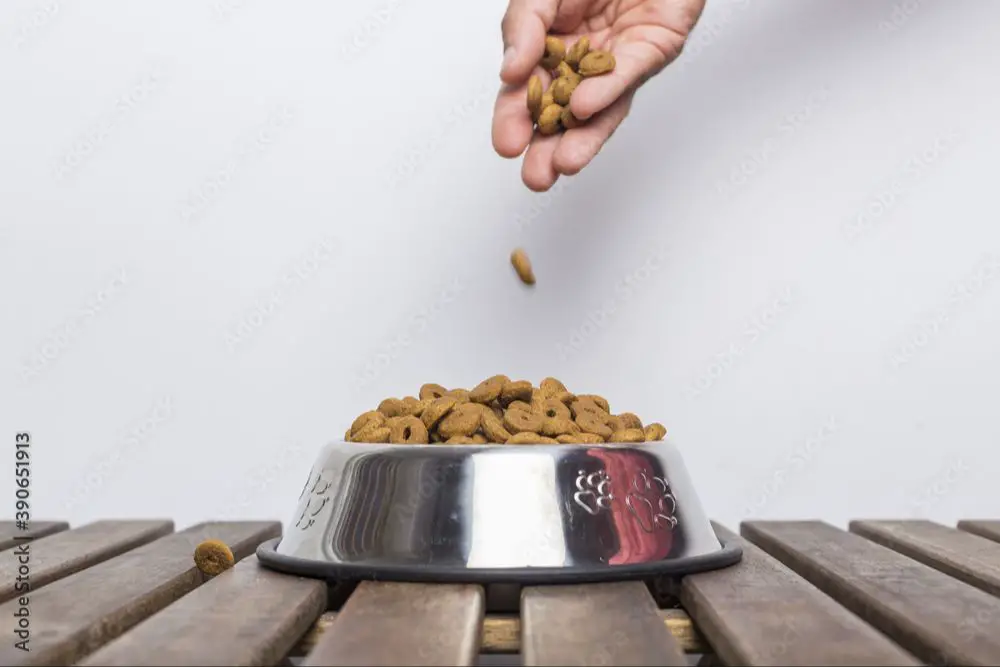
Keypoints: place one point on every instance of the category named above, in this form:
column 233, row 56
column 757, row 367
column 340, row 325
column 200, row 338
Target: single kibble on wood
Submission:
column 522, row 266
column 213, row 557
column 499, row 410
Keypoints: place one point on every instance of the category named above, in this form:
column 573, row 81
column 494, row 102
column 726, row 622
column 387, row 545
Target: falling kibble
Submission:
column 213, row 557
column 521, row 263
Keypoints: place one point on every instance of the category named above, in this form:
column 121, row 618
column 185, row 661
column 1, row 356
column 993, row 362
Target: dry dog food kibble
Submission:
column 596, row 63
column 549, row 108
column 577, row 52
column 535, row 96
column 522, row 265
column 555, row 51
column 500, row 410
column 213, row 557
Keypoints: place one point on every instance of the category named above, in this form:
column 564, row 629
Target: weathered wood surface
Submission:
column 63, row 553
column 75, row 615
column 245, row 616
column 387, row 623
column 965, row 556
column 759, row 612
column 501, row 633
column 595, row 624
column 884, row 592
column 934, row 616
column 11, row 535
column 990, row 529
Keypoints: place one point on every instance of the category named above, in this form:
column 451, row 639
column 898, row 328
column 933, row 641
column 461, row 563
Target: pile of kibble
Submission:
column 500, row 410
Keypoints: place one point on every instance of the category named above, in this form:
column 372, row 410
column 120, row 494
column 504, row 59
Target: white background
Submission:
column 228, row 228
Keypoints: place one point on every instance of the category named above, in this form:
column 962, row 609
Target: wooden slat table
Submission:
column 881, row 592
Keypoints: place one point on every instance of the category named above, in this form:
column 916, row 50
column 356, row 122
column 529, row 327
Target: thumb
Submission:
column 524, row 28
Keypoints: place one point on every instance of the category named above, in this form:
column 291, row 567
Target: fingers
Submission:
column 512, row 124
column 524, row 28
column 538, row 172
column 570, row 15
column 634, row 63
column 549, row 157
column 581, row 144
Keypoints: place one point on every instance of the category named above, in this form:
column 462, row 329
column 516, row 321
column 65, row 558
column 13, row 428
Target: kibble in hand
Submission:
column 535, row 94
column 562, row 89
column 555, row 51
column 549, row 109
column 568, row 120
column 577, row 52
column 548, row 121
column 596, row 63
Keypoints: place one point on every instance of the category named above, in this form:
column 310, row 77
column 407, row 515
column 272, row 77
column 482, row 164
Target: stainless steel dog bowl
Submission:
column 496, row 514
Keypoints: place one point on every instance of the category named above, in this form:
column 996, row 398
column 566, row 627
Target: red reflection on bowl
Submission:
column 643, row 518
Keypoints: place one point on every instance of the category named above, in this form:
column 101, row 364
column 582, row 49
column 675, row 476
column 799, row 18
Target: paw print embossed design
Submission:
column 651, row 502
column 316, row 487
column 593, row 491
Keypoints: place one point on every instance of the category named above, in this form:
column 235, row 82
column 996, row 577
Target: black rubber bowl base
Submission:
column 729, row 554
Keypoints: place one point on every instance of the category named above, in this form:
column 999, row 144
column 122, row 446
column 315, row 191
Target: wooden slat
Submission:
column 11, row 535
column 71, row 617
column 965, row 556
column 988, row 528
column 60, row 555
column 759, row 612
column 246, row 616
column 934, row 616
column 502, row 633
column 385, row 623
column 595, row 624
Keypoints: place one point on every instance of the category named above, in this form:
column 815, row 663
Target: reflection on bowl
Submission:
column 498, row 513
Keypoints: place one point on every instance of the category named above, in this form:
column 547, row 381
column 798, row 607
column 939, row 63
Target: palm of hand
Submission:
column 643, row 35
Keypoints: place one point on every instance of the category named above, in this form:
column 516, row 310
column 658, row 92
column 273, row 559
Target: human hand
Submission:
column 643, row 35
